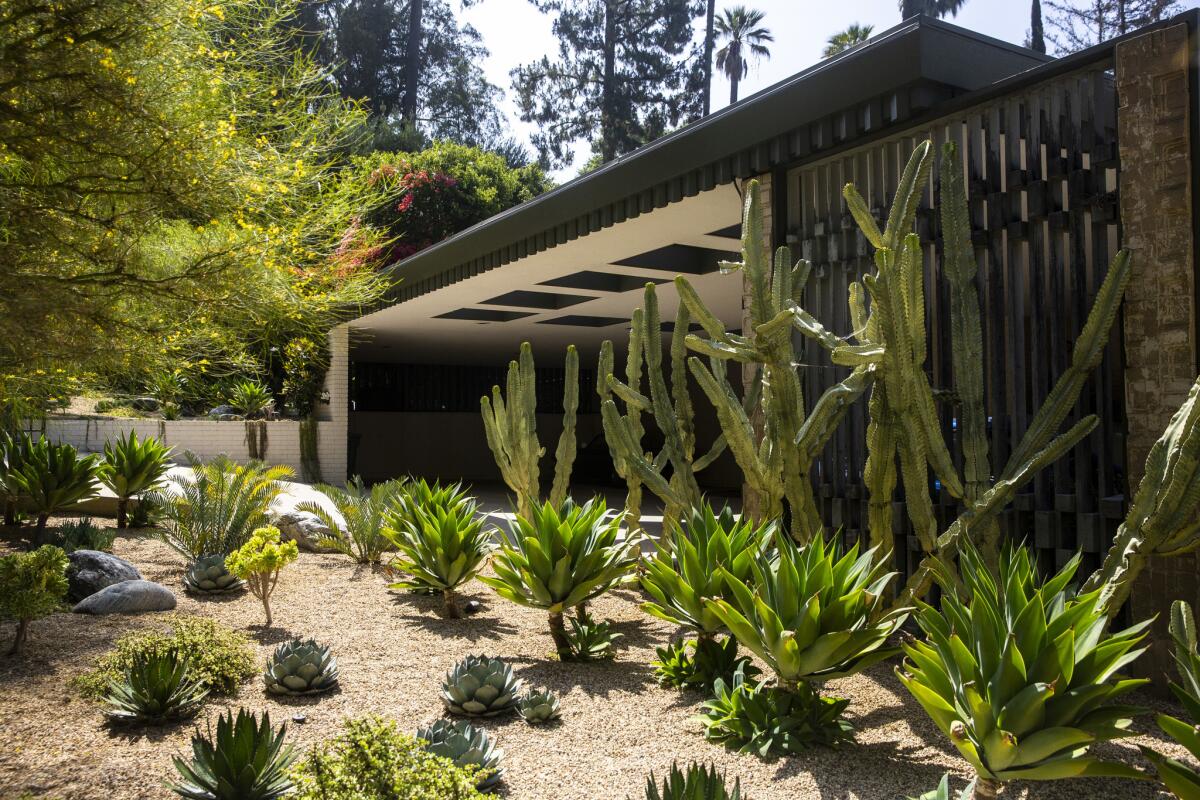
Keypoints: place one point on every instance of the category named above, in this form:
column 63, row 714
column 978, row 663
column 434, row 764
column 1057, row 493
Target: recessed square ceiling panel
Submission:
column 484, row 314
column 594, row 281
column 527, row 299
column 583, row 321
column 678, row 258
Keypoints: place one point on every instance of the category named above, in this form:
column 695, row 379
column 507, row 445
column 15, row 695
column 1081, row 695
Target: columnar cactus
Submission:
column 510, row 422
column 1163, row 518
column 776, row 461
column 670, row 405
column 630, row 421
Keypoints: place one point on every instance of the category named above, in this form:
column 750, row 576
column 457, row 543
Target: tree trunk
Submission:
column 986, row 789
column 708, row 54
column 450, row 604
column 122, row 512
column 10, row 512
column 558, row 633
column 733, row 86
column 412, row 63
column 39, row 532
column 267, row 608
column 608, row 121
column 19, row 638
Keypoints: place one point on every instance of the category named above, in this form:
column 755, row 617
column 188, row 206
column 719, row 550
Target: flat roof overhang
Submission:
column 666, row 197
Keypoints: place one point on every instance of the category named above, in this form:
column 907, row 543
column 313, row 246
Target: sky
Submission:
column 516, row 33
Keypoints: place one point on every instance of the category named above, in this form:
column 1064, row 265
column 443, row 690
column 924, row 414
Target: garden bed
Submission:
column 393, row 649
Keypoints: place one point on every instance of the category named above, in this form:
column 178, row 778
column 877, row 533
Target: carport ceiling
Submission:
column 580, row 293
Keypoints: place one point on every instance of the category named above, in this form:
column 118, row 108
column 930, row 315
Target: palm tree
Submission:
column 744, row 40
column 931, row 8
column 844, row 40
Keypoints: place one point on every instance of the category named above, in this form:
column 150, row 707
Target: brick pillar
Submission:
column 1160, row 315
column 751, row 503
column 334, row 417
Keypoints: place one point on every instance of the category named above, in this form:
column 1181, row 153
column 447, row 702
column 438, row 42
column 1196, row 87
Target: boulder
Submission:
column 89, row 571
column 147, row 404
column 304, row 528
column 128, row 597
column 222, row 411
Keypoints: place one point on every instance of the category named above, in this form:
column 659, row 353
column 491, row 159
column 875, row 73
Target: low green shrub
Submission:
column 83, row 534
column 218, row 656
column 32, row 585
column 372, row 759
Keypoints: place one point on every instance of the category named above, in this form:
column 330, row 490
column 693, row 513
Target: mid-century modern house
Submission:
column 1067, row 160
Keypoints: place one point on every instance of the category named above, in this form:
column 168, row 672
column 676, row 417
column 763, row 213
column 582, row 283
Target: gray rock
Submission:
column 89, row 571
column 472, row 607
column 304, row 528
column 144, row 404
column 221, row 411
column 128, row 597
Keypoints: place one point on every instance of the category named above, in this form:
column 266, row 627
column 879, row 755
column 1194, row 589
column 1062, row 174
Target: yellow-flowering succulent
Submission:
column 259, row 561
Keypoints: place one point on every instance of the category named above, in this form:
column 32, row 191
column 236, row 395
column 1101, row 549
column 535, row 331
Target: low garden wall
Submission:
column 276, row 442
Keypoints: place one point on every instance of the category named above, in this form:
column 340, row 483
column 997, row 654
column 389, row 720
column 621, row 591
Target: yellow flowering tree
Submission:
column 259, row 561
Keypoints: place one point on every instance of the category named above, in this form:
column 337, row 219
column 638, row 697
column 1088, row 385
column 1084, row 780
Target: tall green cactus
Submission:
column 511, row 428
column 631, row 420
column 904, row 422
column 775, row 463
column 671, row 406
column 1163, row 520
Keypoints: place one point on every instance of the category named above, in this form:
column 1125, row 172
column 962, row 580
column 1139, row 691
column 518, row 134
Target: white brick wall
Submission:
column 209, row 438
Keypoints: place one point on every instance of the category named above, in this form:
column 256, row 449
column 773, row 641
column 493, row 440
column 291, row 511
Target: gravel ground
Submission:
column 617, row 724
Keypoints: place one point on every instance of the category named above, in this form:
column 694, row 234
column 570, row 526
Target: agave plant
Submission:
column 157, row 687
column 417, row 493
column 209, row 575
column 1020, row 674
column 251, row 399
column 360, row 533
column 685, row 573
column 810, row 612
column 942, row 792
column 590, row 640
column 51, row 477
column 560, row 558
column 245, row 760
column 14, row 452
column 217, row 508
column 468, row 747
column 1182, row 778
column 698, row 783
column 440, row 546
column 538, row 707
column 754, row 717
column 301, row 666
column 479, row 686
column 697, row 663
column 132, row 466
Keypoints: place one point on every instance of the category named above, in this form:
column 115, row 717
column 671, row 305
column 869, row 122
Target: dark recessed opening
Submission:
column 583, row 321
column 484, row 314
column 594, row 281
column 732, row 232
column 679, row 258
column 527, row 299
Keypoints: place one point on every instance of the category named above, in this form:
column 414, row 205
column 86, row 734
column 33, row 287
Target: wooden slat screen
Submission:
column 1041, row 166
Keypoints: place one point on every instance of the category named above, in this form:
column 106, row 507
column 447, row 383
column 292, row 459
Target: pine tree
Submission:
column 1077, row 24
column 1037, row 31
column 377, row 49
column 622, row 77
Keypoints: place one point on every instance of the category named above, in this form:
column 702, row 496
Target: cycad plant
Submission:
column 559, row 558
column 1019, row 672
column 246, row 759
column 360, row 534
column 215, row 510
column 14, row 451
column 1181, row 778
column 53, row 477
column 132, row 466
column 251, row 399
column 440, row 548
column 811, row 613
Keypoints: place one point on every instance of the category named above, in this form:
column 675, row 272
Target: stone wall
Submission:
column 1153, row 85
